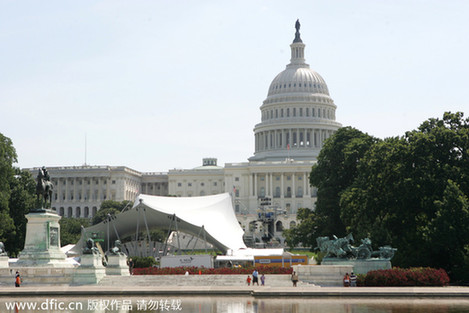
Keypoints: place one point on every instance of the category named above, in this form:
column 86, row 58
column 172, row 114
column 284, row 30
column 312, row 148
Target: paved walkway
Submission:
column 266, row 291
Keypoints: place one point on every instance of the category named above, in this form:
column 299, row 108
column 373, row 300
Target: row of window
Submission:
column 315, row 112
column 313, row 87
column 201, row 184
column 88, row 182
column 77, row 212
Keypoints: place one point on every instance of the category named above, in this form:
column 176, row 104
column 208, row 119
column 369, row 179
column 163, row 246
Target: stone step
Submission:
column 193, row 280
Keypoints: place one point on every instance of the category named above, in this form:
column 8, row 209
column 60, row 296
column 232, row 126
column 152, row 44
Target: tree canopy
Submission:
column 110, row 207
column 410, row 192
column 17, row 190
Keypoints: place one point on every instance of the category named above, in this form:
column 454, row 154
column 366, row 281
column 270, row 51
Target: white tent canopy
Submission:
column 210, row 217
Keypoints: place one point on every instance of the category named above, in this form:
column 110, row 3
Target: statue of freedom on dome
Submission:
column 297, row 34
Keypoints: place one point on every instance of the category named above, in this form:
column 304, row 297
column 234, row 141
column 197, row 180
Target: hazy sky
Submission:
column 156, row 85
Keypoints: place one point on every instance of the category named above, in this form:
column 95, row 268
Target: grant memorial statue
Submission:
column 338, row 251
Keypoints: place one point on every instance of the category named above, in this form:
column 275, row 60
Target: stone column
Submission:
column 282, row 188
column 293, row 192
column 59, row 192
column 100, row 189
column 305, row 186
column 271, row 185
column 255, row 184
column 83, row 192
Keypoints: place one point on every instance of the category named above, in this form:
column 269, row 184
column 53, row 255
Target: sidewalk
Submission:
column 257, row 291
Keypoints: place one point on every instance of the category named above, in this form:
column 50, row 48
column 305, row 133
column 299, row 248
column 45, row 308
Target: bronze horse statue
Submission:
column 44, row 187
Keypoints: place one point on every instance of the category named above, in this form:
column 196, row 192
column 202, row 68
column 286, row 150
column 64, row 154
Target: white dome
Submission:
column 298, row 79
column 298, row 114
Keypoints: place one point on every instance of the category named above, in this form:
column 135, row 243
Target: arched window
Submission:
column 279, row 226
column 292, row 224
column 288, row 192
column 78, row 212
column 69, row 212
column 262, row 192
column 87, row 211
column 61, row 211
column 94, row 210
column 277, row 192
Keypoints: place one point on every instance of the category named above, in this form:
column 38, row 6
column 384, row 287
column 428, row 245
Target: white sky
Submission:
column 157, row 85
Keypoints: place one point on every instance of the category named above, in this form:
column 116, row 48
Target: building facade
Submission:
column 79, row 190
column 297, row 116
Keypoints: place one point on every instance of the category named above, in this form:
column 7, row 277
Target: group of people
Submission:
column 350, row 280
column 255, row 279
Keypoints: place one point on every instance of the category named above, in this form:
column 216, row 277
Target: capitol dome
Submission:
column 298, row 79
column 298, row 114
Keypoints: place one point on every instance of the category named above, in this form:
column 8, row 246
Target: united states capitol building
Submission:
column 296, row 117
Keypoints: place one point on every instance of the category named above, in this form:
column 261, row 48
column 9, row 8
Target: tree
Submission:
column 7, row 158
column 22, row 199
column 16, row 198
column 448, row 232
column 305, row 232
column 334, row 172
column 70, row 229
column 110, row 207
column 411, row 192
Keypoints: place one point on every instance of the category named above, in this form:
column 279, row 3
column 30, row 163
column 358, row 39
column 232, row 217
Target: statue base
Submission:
column 4, row 261
column 360, row 266
column 117, row 265
column 42, row 243
column 322, row 275
column 91, row 270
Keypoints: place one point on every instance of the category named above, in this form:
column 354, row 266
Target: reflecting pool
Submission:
column 231, row 305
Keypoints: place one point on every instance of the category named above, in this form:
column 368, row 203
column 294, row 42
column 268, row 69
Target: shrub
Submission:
column 143, row 262
column 211, row 271
column 417, row 276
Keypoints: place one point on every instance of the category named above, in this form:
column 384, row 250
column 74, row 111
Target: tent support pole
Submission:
column 197, row 239
column 115, row 230
column 146, row 225
column 169, row 233
column 177, row 230
column 138, row 222
column 205, row 239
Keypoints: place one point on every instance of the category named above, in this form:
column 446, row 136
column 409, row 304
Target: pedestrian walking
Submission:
column 294, row 278
column 262, row 280
column 353, row 280
column 131, row 266
column 17, row 279
column 255, row 277
column 346, row 280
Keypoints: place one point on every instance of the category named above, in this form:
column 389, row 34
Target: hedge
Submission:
column 417, row 276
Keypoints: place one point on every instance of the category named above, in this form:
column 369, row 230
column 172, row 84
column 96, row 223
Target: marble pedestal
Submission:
column 3, row 261
column 117, row 265
column 323, row 275
column 360, row 266
column 90, row 271
column 42, row 243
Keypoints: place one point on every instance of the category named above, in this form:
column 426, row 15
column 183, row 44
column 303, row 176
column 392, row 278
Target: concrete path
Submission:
column 266, row 291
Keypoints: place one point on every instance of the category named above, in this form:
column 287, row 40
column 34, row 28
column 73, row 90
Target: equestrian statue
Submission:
column 44, row 189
